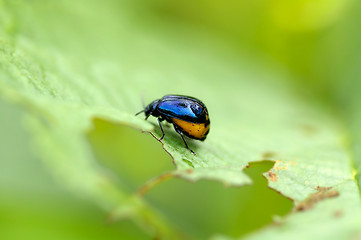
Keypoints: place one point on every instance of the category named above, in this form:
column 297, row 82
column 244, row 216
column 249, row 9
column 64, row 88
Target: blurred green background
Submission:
column 316, row 42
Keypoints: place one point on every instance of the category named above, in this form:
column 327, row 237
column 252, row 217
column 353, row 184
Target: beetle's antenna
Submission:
column 143, row 105
column 139, row 112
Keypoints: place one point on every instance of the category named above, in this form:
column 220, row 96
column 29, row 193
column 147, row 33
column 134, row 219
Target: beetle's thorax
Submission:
column 151, row 109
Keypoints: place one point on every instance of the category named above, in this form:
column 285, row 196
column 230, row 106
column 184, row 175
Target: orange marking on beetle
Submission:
column 195, row 130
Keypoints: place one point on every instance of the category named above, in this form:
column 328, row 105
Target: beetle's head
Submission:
column 151, row 109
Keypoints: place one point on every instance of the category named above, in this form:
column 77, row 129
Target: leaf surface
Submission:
column 93, row 60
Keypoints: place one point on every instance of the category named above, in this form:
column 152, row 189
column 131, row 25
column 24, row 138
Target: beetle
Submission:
column 188, row 115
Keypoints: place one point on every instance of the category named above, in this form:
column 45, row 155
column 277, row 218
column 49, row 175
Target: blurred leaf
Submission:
column 69, row 62
column 33, row 205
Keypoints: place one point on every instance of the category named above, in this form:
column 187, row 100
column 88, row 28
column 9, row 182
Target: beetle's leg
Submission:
column 180, row 133
column 161, row 128
column 146, row 117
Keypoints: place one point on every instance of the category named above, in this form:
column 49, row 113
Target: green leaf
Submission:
column 90, row 60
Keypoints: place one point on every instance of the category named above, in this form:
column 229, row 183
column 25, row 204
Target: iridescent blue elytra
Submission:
column 188, row 115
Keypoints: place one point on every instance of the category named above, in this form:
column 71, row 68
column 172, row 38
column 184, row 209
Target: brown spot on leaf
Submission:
column 322, row 189
column 276, row 166
column 281, row 165
column 321, row 194
column 309, row 130
column 338, row 214
column 268, row 155
column 272, row 176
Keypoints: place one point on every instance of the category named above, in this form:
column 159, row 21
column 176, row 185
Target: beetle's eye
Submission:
column 196, row 109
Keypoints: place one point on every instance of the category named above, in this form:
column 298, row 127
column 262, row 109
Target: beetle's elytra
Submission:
column 188, row 115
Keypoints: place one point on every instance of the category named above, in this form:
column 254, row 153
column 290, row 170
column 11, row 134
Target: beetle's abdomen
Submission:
column 193, row 130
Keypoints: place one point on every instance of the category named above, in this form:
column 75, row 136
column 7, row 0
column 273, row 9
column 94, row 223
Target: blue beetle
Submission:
column 188, row 115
